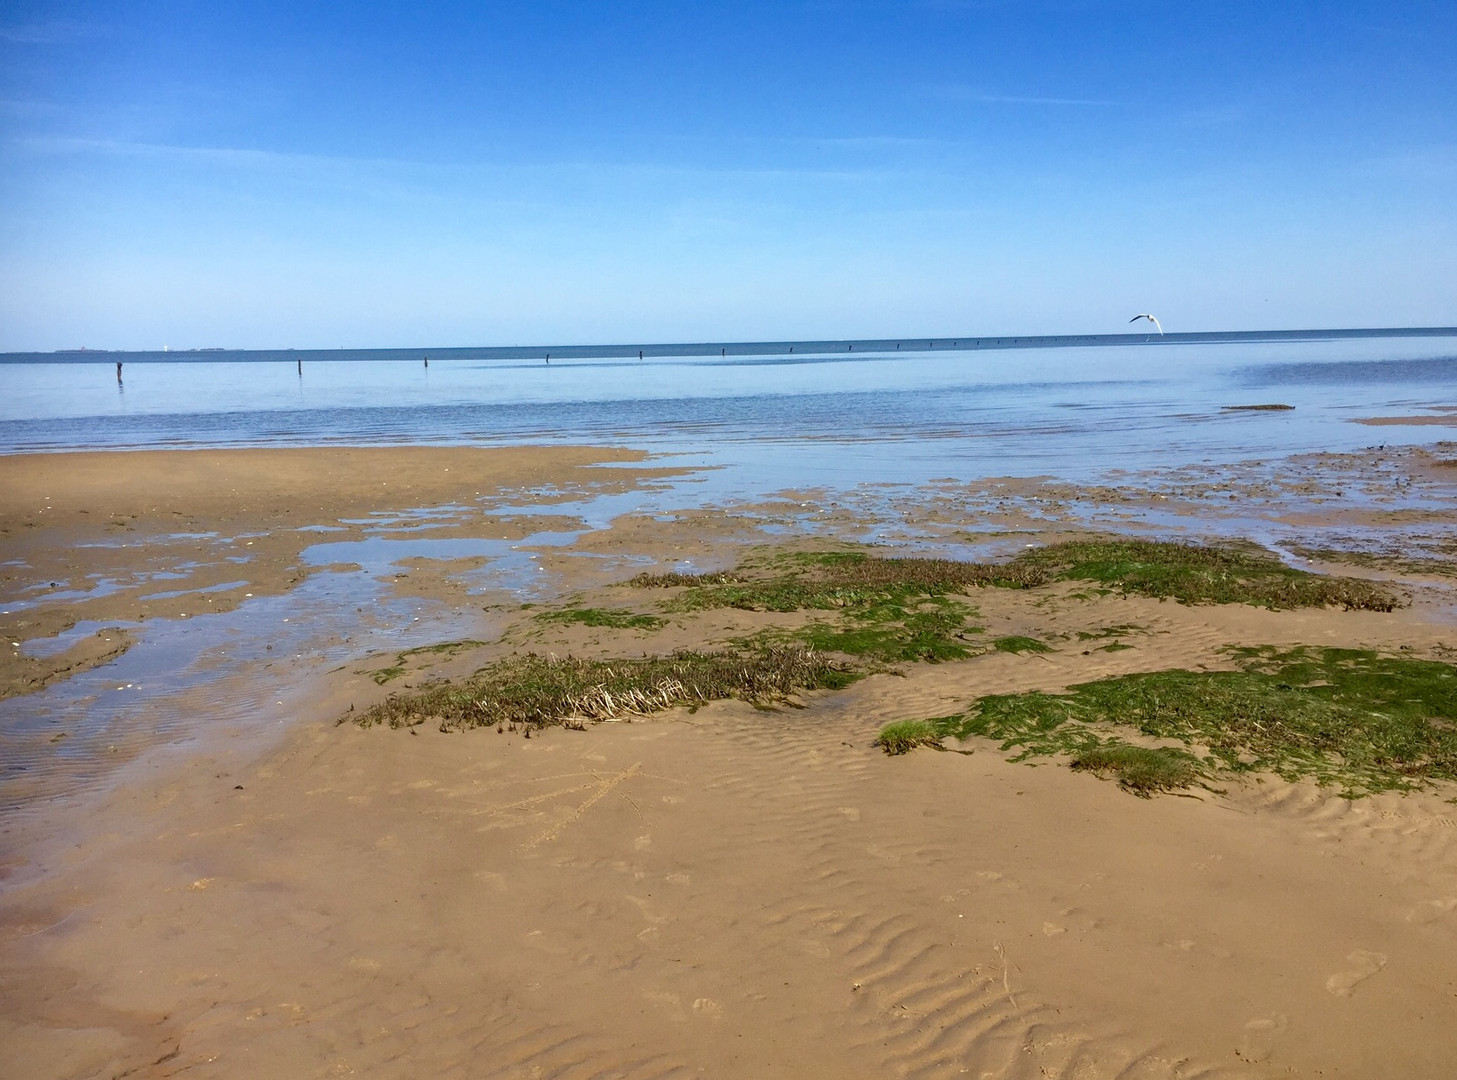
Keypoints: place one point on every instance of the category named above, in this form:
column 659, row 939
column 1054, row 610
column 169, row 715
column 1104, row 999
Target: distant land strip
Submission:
column 969, row 343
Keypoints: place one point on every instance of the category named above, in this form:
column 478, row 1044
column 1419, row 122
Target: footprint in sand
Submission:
column 669, row 1002
column 1363, row 965
column 492, row 878
column 1259, row 1037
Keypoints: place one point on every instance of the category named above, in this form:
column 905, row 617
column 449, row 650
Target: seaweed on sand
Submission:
column 1353, row 719
column 1203, row 574
column 534, row 691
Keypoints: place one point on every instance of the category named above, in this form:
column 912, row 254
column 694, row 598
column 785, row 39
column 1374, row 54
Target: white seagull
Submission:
column 1151, row 319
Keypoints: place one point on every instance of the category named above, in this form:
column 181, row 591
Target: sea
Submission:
column 740, row 421
column 768, row 415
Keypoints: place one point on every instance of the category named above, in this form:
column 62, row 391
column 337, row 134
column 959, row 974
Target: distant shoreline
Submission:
column 969, row 343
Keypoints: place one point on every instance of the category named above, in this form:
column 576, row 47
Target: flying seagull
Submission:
column 1151, row 319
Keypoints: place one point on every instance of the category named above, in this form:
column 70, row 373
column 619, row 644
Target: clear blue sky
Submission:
column 381, row 174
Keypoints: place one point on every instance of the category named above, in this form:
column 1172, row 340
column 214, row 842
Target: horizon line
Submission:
column 970, row 342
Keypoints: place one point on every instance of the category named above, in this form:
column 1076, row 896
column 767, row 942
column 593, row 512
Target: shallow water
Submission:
column 236, row 674
column 855, row 429
column 775, row 420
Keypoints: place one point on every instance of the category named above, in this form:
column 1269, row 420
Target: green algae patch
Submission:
column 1352, row 719
column 1189, row 573
column 1141, row 770
column 829, row 581
column 903, row 736
column 610, row 618
column 674, row 580
column 933, row 631
column 890, row 610
column 1200, row 574
column 893, row 610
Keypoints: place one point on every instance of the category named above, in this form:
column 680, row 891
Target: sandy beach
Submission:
column 733, row 890
column 814, row 541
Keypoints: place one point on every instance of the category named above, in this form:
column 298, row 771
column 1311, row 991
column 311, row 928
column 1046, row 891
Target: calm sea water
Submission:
column 774, row 419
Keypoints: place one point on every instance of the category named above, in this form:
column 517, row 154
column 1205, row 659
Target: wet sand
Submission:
column 739, row 893
column 118, row 538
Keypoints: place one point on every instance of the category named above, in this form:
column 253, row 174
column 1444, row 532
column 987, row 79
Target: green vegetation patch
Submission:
column 533, row 691
column 1142, row 770
column 826, row 581
column 901, row 609
column 1350, row 718
column 1190, row 573
column 1197, row 574
column 890, row 610
column 673, row 580
column 903, row 736
column 611, row 618
column 931, row 631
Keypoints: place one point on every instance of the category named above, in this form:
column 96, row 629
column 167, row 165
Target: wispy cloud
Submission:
column 26, row 107
column 964, row 93
column 288, row 161
column 53, row 32
column 845, row 142
column 227, row 155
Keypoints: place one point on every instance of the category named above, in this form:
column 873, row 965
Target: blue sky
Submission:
column 379, row 174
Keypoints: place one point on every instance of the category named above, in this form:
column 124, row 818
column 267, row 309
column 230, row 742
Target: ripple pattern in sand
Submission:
column 928, row 994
